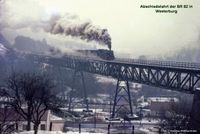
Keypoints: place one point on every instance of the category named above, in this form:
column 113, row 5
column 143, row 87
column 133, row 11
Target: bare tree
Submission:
column 8, row 120
column 32, row 95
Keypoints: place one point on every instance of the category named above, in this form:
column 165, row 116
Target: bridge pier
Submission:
column 195, row 113
column 122, row 92
column 78, row 73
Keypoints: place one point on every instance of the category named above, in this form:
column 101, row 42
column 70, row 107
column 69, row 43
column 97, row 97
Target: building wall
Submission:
column 158, row 108
column 57, row 125
column 48, row 120
column 22, row 124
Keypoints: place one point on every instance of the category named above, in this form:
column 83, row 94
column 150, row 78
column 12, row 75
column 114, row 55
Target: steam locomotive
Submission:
column 101, row 53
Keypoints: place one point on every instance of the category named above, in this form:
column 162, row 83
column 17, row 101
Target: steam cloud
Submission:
column 84, row 30
column 67, row 25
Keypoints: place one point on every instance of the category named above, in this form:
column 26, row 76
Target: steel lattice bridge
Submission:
column 176, row 76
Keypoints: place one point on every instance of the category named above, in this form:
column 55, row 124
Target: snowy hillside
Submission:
column 3, row 50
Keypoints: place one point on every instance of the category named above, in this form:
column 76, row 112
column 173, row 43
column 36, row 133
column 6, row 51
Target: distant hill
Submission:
column 4, row 41
column 27, row 44
column 3, row 50
column 4, row 60
column 4, row 46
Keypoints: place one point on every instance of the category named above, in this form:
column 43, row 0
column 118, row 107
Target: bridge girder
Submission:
column 174, row 78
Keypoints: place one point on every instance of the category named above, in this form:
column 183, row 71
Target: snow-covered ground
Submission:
column 143, row 121
column 147, row 131
column 59, row 132
column 146, row 121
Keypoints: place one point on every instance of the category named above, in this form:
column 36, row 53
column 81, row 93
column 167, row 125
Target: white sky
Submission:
column 133, row 30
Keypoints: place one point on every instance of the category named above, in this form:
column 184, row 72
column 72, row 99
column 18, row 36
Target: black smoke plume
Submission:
column 69, row 25
column 83, row 30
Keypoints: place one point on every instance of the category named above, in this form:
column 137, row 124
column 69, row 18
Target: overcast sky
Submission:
column 133, row 30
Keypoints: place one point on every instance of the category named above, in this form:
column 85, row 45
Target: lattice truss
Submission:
column 169, row 77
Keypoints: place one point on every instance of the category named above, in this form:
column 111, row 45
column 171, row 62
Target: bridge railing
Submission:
column 172, row 64
column 190, row 65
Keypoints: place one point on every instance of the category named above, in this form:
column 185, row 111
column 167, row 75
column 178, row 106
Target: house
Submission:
column 158, row 105
column 9, row 119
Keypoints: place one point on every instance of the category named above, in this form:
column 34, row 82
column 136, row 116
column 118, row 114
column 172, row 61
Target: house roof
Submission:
column 9, row 114
column 163, row 99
